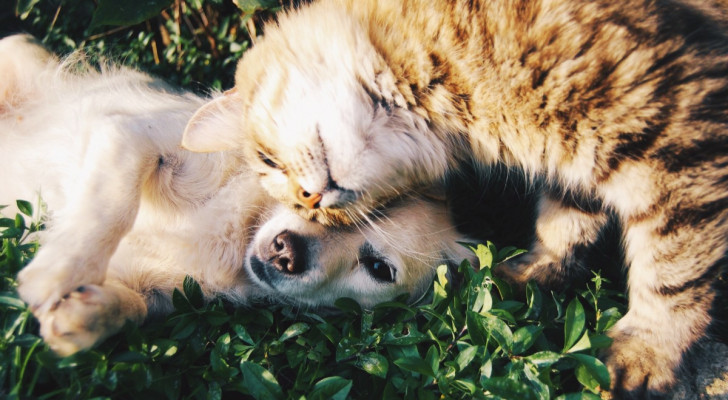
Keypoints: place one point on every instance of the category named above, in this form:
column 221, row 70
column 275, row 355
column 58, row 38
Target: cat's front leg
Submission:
column 88, row 315
column 101, row 208
column 564, row 231
column 672, row 269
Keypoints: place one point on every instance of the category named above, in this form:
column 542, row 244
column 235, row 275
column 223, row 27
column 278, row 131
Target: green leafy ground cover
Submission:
column 474, row 339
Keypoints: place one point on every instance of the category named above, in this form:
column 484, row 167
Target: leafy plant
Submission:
column 192, row 43
column 472, row 339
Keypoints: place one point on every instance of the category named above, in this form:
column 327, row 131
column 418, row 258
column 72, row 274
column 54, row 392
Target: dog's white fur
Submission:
column 131, row 213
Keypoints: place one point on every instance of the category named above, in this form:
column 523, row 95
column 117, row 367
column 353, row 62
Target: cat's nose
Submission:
column 308, row 200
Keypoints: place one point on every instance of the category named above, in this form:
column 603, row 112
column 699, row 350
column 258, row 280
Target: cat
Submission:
column 130, row 213
column 620, row 106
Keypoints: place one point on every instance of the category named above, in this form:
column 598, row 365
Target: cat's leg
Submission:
column 564, row 231
column 101, row 208
column 90, row 314
column 675, row 256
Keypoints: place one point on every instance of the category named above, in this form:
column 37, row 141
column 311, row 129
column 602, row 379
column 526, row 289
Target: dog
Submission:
column 130, row 213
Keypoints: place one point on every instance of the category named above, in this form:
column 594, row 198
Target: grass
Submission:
column 474, row 339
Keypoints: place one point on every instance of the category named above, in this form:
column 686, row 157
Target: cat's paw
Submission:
column 547, row 271
column 82, row 319
column 639, row 368
column 48, row 278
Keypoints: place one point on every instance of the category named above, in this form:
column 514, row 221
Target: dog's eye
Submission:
column 267, row 160
column 379, row 269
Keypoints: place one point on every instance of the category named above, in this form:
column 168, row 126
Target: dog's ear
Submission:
column 214, row 127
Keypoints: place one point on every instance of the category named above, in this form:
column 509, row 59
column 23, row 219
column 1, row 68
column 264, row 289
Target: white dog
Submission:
column 131, row 213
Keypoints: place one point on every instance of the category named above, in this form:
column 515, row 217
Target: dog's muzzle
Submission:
column 286, row 257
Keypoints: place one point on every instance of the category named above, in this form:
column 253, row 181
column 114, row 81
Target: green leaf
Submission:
column 591, row 372
column 410, row 336
column 251, row 6
column 348, row 304
column 466, row 356
column 607, row 319
column 574, row 323
column 588, row 341
column 243, row 334
column 333, row 388
column 7, row 223
column 12, row 301
column 128, row 12
column 130, row 357
column 193, row 292
column 484, row 254
column 440, row 285
column 509, row 252
column 494, row 327
column 534, row 300
column 25, row 207
column 184, row 327
column 260, row 382
column 216, row 318
column 582, row 344
column 373, row 363
column 476, row 328
column 415, row 364
column 509, row 388
column 23, row 8
column 544, row 359
column 525, row 337
column 294, row 330
column 180, row 302
column 433, row 358
column 579, row 396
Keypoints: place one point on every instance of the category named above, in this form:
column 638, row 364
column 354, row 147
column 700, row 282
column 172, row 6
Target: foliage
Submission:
column 473, row 339
column 192, row 43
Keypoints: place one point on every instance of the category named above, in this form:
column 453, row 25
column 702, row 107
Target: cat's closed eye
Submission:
column 268, row 160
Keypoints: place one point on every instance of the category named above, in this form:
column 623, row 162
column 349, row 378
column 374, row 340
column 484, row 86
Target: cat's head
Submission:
column 322, row 121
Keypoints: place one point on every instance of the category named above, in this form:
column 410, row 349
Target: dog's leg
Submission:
column 100, row 210
column 90, row 314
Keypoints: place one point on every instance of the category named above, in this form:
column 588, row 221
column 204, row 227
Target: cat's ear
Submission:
column 215, row 126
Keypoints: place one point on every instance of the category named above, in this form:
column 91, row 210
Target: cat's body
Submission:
column 349, row 104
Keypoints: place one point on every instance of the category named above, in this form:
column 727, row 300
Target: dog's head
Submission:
column 394, row 252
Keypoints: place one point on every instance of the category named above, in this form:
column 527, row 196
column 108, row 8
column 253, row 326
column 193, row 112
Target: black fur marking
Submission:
column 678, row 158
column 714, row 106
column 706, row 278
column 633, row 146
column 694, row 215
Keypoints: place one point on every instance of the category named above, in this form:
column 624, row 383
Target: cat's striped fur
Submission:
column 350, row 103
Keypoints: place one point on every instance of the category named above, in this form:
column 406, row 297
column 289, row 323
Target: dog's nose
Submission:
column 287, row 253
column 308, row 200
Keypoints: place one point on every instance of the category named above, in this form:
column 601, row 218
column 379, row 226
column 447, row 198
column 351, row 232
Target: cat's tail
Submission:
column 23, row 60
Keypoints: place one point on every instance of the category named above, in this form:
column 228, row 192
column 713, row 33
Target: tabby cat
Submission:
column 348, row 104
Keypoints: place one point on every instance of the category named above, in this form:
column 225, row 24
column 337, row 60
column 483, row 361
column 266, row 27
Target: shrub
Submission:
column 473, row 339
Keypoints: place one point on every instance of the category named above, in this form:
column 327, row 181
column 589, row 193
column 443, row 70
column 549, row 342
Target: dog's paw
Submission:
column 48, row 278
column 639, row 368
column 82, row 319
